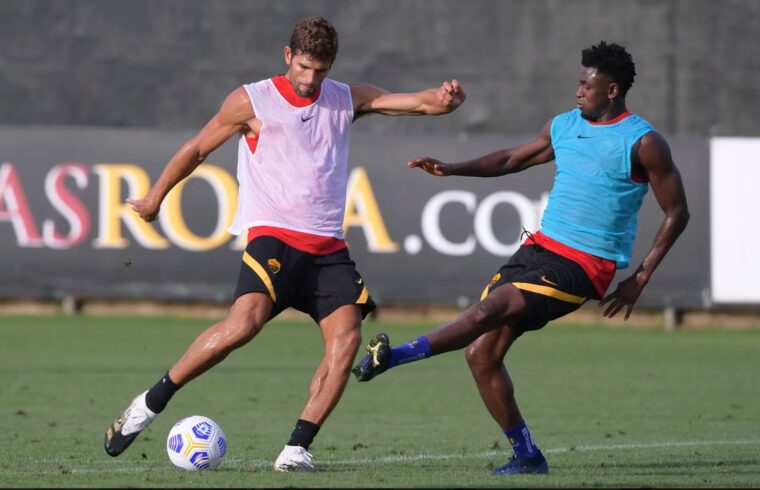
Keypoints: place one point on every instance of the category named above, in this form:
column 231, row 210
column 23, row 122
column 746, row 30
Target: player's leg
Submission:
column 485, row 357
column 342, row 338
column 245, row 319
column 341, row 332
column 337, row 298
column 260, row 293
column 503, row 306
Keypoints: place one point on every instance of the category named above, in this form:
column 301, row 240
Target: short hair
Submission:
column 613, row 60
column 316, row 38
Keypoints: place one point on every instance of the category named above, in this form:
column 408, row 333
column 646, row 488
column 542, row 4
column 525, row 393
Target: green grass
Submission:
column 609, row 407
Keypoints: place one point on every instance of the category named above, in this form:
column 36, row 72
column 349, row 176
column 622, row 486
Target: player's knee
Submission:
column 242, row 330
column 352, row 340
column 473, row 355
column 486, row 314
column 344, row 348
column 481, row 360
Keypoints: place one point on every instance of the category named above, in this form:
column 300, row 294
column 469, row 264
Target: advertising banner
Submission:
column 65, row 228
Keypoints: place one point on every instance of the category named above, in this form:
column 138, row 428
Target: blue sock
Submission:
column 522, row 443
column 411, row 351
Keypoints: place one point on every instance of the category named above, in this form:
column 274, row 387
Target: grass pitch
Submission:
column 608, row 406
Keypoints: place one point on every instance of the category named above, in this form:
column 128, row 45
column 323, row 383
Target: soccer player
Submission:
column 606, row 160
column 292, row 171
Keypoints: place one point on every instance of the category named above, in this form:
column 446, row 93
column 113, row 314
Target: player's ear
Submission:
column 288, row 54
column 613, row 90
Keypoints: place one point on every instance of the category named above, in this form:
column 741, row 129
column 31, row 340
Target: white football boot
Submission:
column 294, row 458
column 124, row 429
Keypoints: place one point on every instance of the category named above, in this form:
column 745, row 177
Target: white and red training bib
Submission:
column 294, row 175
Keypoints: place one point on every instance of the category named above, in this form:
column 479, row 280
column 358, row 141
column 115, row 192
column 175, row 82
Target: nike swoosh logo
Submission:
column 543, row 278
column 304, row 119
column 581, row 137
column 359, row 281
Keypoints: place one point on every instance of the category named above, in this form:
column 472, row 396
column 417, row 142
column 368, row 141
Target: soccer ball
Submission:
column 196, row 443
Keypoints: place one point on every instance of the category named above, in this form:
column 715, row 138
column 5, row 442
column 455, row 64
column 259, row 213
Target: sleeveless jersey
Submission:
column 297, row 176
column 595, row 199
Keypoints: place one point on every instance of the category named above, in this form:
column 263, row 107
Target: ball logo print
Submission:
column 202, row 430
column 175, row 443
column 196, row 443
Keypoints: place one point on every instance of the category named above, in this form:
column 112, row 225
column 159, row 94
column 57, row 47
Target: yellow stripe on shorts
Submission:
column 363, row 297
column 547, row 291
column 251, row 262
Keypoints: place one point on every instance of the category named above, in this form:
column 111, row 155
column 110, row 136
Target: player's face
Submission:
column 595, row 93
column 305, row 73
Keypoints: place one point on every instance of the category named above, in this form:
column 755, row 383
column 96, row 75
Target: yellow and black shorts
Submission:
column 551, row 284
column 314, row 284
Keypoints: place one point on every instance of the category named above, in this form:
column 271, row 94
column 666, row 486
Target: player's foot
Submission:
column 124, row 429
column 523, row 465
column 376, row 361
column 294, row 458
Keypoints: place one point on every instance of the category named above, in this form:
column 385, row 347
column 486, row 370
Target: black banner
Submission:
column 65, row 228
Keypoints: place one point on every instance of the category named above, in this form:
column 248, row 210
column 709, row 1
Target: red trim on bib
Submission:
column 286, row 89
column 611, row 121
column 305, row 242
column 600, row 271
column 253, row 142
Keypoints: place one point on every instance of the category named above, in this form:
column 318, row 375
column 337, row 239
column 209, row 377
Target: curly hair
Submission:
column 316, row 38
column 613, row 60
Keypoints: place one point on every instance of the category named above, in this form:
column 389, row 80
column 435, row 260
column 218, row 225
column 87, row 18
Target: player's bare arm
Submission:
column 500, row 162
column 235, row 115
column 432, row 102
column 653, row 154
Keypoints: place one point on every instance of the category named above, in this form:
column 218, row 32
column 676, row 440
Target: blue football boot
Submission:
column 524, row 465
column 376, row 361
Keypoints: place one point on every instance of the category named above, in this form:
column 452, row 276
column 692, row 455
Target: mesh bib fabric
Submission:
column 594, row 202
column 297, row 176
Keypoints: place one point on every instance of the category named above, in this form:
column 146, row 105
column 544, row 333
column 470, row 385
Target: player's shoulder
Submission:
column 268, row 83
column 563, row 122
column 238, row 95
column 573, row 113
column 335, row 82
column 237, row 107
column 253, row 90
column 644, row 132
column 331, row 83
column 636, row 120
column 652, row 151
column 653, row 139
column 567, row 118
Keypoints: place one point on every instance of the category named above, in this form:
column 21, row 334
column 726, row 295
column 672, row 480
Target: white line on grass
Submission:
column 651, row 445
column 245, row 464
column 600, row 447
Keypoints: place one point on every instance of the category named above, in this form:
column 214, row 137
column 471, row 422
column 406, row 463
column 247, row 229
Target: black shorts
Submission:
column 551, row 284
column 314, row 284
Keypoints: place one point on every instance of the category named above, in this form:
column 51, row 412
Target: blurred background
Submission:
column 97, row 96
column 169, row 64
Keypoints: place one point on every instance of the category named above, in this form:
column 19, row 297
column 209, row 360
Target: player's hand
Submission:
column 451, row 95
column 625, row 296
column 430, row 165
column 147, row 207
